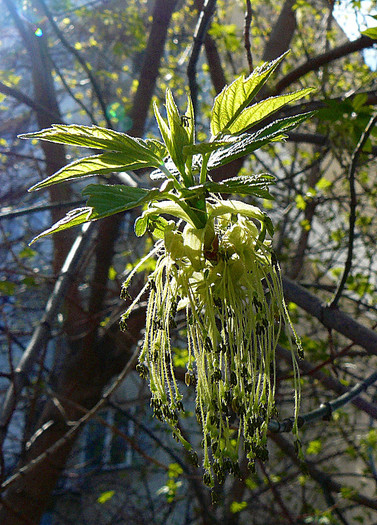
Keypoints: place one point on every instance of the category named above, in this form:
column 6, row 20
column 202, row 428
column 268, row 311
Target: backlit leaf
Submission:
column 234, row 98
column 254, row 114
column 247, row 143
column 101, row 138
column 96, row 165
column 72, row 218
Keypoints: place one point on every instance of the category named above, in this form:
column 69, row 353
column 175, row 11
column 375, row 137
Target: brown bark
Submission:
column 282, row 32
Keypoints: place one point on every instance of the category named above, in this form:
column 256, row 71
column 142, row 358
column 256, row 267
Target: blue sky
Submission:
column 353, row 21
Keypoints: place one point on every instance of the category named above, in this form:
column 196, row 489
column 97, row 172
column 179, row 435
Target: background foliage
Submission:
column 101, row 63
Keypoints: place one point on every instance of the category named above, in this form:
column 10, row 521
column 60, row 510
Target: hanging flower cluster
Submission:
column 214, row 263
column 227, row 280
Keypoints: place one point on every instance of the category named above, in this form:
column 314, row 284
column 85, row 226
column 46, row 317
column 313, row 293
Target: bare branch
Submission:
column 199, row 36
column 79, row 58
column 24, row 99
column 330, row 317
column 75, row 427
column 329, row 383
column 326, row 409
column 321, row 60
column 7, row 213
column 353, row 203
column 246, row 34
column 42, row 332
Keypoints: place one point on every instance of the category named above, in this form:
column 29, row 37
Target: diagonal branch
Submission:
column 322, row 478
column 326, row 409
column 329, row 383
column 42, row 332
column 24, row 99
column 321, row 60
column 330, row 317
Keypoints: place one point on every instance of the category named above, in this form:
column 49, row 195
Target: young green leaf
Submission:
column 106, row 200
column 93, row 137
column 234, row 98
column 247, row 143
column 152, row 223
column 256, row 185
column 258, row 112
column 97, row 165
column 247, row 185
column 178, row 133
column 72, row 218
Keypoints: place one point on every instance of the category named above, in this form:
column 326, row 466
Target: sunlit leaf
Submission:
column 72, row 218
column 102, row 164
column 102, row 138
column 254, row 114
column 234, row 98
column 247, row 143
column 177, row 133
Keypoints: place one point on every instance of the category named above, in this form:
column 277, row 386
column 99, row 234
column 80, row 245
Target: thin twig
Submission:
column 42, row 331
column 76, row 426
column 353, row 203
column 326, row 409
column 246, row 34
column 276, row 494
column 321, row 477
column 37, row 208
column 199, row 36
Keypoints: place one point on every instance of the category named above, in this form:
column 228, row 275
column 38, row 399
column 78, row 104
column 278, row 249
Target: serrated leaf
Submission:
column 234, row 98
column 89, row 137
column 247, row 143
column 106, row 200
column 246, row 185
column 72, row 218
column 207, row 147
column 258, row 112
column 178, row 133
column 97, row 165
